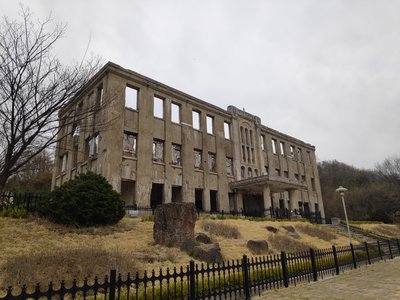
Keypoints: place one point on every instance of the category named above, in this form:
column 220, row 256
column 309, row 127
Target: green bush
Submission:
column 87, row 200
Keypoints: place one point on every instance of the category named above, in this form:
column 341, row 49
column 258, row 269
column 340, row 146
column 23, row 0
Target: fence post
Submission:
column 113, row 275
column 390, row 249
column 398, row 246
column 379, row 249
column 246, row 282
column 192, row 281
column 353, row 256
column 313, row 264
column 284, row 269
column 335, row 259
column 367, row 250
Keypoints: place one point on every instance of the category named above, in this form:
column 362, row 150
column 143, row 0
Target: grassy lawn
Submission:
column 34, row 250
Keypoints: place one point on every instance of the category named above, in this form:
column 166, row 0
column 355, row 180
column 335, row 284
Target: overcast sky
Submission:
column 326, row 72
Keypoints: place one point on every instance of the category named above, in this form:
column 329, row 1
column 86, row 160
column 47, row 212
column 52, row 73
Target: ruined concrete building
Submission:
column 155, row 144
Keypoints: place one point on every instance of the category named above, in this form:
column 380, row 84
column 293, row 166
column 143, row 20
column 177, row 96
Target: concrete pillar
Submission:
column 240, row 201
column 267, row 200
column 206, row 200
column 294, row 198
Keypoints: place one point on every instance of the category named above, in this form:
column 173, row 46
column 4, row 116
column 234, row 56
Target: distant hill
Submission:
column 372, row 194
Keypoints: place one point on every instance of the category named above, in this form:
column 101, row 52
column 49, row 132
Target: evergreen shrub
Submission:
column 87, row 200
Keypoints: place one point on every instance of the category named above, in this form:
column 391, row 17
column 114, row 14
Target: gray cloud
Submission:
column 326, row 72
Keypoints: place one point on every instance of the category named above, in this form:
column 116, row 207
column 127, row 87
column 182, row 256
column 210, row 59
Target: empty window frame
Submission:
column 277, row 172
column 211, row 162
column 76, row 130
column 158, row 107
column 176, row 155
column 299, row 156
column 243, row 172
column 64, row 161
column 229, row 166
column 158, row 150
column 196, row 119
column 296, row 176
column 266, row 170
column 282, row 147
column 131, row 96
column 93, row 143
column 303, row 178
column 313, row 184
column 262, row 142
column 198, row 157
column 129, row 146
column 292, row 150
column 249, row 172
column 273, row 143
column 175, row 113
column 227, row 130
column 210, row 124
column 100, row 95
column 286, row 174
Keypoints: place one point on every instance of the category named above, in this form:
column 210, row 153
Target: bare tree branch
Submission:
column 34, row 86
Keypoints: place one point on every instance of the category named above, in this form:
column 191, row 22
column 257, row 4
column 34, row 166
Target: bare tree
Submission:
column 34, row 85
column 389, row 170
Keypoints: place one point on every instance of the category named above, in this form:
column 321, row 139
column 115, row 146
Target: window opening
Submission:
column 176, row 155
column 158, row 150
column 158, row 107
column 175, row 113
column 131, row 95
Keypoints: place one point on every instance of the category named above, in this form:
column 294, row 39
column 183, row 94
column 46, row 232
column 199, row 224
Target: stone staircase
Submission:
column 357, row 234
column 363, row 236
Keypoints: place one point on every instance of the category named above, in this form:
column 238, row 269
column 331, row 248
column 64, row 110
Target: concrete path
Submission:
column 377, row 281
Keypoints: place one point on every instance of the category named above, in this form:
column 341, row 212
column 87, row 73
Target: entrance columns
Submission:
column 267, row 200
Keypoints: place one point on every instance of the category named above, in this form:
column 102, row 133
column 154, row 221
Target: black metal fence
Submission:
column 28, row 201
column 235, row 279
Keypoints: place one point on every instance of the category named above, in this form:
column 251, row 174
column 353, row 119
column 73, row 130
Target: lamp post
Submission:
column 341, row 191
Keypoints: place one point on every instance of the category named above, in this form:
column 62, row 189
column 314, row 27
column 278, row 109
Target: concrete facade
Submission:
column 155, row 144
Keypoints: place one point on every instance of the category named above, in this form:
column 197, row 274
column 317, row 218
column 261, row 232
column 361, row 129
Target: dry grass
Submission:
column 287, row 244
column 221, row 229
column 389, row 230
column 316, row 231
column 34, row 250
column 235, row 248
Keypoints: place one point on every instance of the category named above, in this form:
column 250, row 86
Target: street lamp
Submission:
column 341, row 191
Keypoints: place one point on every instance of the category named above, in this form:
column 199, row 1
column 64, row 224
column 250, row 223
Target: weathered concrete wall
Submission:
column 139, row 171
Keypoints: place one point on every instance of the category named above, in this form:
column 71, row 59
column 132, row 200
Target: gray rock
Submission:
column 292, row 232
column 272, row 229
column 257, row 246
column 210, row 253
column 203, row 238
column 174, row 224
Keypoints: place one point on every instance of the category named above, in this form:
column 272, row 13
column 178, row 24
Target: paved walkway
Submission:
column 377, row 281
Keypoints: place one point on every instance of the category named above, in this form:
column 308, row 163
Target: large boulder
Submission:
column 257, row 246
column 210, row 253
column 174, row 224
